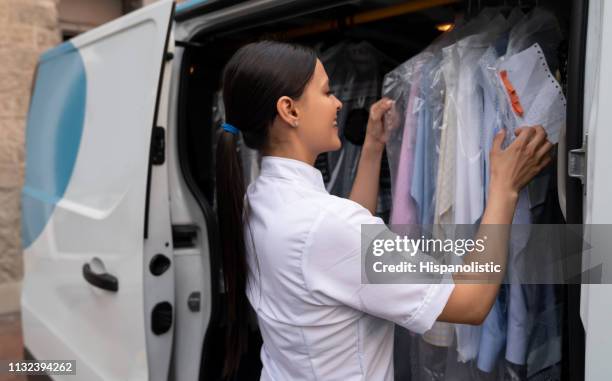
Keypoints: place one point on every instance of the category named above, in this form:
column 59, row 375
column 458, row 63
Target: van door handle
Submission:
column 103, row 280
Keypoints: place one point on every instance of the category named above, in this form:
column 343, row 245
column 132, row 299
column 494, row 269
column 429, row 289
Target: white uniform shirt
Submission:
column 317, row 320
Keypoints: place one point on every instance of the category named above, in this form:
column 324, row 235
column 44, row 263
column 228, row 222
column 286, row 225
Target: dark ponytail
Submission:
column 256, row 76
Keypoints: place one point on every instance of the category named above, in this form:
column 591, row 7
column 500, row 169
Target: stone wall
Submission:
column 27, row 28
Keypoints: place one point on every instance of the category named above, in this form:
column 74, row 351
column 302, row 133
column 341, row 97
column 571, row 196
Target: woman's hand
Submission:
column 512, row 168
column 376, row 136
column 365, row 186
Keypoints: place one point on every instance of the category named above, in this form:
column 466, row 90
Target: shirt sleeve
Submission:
column 332, row 268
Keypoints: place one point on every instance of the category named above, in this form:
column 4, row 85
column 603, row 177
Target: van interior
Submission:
column 399, row 29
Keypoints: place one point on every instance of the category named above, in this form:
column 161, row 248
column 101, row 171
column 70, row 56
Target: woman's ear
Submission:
column 287, row 111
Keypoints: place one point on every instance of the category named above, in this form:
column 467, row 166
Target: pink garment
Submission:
column 404, row 209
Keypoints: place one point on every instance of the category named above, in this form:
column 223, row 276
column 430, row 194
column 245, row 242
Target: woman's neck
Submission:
column 294, row 153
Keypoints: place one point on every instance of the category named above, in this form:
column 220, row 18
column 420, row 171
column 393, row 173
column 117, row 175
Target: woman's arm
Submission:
column 365, row 186
column 511, row 170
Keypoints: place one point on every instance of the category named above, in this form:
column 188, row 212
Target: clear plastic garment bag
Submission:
column 495, row 71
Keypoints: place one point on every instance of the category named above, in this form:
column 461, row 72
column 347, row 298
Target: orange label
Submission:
column 514, row 99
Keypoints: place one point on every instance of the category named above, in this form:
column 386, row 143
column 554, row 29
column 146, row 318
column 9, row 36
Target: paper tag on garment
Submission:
column 538, row 91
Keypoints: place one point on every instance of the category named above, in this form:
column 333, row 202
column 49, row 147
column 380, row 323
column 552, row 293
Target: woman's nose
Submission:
column 339, row 107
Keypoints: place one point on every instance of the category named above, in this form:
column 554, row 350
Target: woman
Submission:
column 294, row 250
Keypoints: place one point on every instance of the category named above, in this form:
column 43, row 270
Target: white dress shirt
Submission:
column 317, row 320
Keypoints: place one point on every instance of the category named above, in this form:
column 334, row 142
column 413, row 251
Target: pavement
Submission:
column 11, row 342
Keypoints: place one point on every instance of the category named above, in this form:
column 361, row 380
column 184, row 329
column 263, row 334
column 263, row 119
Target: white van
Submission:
column 122, row 266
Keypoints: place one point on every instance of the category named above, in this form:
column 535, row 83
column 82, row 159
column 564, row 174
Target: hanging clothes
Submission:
column 493, row 337
column 402, row 85
column 355, row 73
column 468, row 181
column 537, row 90
column 445, row 180
column 426, row 164
column 469, row 189
column 427, row 145
column 451, row 100
column 540, row 102
column 491, row 121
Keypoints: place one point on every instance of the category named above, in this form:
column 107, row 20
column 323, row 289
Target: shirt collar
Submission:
column 294, row 170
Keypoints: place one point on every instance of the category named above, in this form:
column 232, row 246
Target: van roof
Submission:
column 191, row 8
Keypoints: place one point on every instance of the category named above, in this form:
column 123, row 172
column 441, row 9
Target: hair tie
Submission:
column 231, row 129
